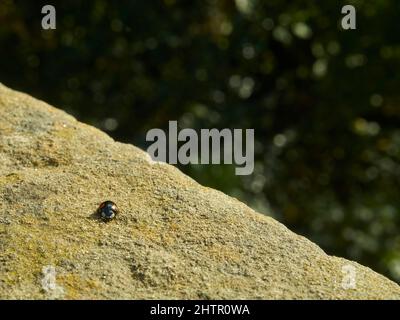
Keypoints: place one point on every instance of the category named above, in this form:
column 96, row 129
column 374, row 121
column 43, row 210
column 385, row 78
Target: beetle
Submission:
column 108, row 210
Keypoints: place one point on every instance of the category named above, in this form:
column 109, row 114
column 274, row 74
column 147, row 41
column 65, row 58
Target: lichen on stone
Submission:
column 173, row 239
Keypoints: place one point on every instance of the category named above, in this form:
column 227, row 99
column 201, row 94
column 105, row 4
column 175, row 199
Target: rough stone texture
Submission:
column 174, row 238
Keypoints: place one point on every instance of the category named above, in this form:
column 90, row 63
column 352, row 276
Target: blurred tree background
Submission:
column 324, row 103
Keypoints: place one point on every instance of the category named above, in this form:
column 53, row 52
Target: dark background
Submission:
column 324, row 102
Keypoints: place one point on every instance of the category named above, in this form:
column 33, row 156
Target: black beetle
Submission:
column 108, row 210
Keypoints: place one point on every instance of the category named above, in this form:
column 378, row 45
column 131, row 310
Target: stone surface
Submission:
column 173, row 239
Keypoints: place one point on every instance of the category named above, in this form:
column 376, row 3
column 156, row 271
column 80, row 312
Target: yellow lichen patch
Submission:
column 52, row 154
column 169, row 233
column 77, row 287
column 147, row 233
column 63, row 131
column 6, row 129
column 36, row 247
column 9, row 179
column 223, row 253
column 231, row 283
column 174, row 227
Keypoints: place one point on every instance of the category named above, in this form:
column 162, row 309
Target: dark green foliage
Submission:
column 324, row 102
